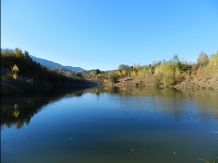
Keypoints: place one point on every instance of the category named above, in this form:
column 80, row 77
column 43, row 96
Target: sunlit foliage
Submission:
column 113, row 76
column 169, row 73
column 203, row 59
column 213, row 62
column 18, row 65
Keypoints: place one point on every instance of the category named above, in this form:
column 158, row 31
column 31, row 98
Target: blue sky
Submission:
column 106, row 33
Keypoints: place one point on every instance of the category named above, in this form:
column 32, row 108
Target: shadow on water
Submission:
column 18, row 110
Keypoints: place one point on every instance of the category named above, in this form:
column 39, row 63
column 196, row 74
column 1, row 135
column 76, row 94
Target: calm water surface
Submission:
column 110, row 126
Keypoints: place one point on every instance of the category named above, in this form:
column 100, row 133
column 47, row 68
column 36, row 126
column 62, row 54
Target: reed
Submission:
column 208, row 160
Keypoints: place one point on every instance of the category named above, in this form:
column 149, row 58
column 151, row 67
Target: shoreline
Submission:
column 188, row 84
column 16, row 87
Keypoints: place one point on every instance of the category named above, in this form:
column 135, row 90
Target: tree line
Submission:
column 17, row 66
column 163, row 73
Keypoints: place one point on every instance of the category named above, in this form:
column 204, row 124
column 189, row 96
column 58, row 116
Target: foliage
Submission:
column 145, row 71
column 203, row 59
column 136, row 67
column 157, row 80
column 169, row 73
column 123, row 67
column 113, row 76
column 97, row 71
column 15, row 69
column 209, row 160
column 133, row 73
column 22, row 66
column 163, row 74
column 8, row 75
column 213, row 62
column 119, row 73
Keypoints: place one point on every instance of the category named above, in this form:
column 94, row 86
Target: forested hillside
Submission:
column 19, row 73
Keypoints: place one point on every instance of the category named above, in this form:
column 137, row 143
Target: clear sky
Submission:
column 106, row 33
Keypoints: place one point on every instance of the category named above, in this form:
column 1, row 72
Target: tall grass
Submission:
column 208, row 160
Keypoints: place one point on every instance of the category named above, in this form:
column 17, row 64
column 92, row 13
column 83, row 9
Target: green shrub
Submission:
column 203, row 59
column 167, row 71
column 157, row 80
column 113, row 77
column 144, row 72
column 213, row 62
column 7, row 76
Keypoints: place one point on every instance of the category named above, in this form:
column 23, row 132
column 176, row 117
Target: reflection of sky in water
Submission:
column 114, row 128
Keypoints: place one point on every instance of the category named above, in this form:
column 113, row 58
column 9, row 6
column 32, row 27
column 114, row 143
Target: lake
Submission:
column 110, row 125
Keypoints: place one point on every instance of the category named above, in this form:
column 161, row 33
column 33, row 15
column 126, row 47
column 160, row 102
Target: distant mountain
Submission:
column 50, row 64
column 46, row 63
column 74, row 68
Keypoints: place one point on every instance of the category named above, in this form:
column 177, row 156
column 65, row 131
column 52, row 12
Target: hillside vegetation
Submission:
column 165, row 74
column 19, row 73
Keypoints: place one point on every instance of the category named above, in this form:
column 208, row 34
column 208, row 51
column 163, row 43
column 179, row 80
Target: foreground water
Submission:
column 110, row 126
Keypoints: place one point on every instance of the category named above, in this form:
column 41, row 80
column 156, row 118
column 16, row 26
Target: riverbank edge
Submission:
column 13, row 87
column 147, row 83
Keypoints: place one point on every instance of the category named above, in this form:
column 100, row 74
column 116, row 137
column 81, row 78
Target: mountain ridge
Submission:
column 49, row 63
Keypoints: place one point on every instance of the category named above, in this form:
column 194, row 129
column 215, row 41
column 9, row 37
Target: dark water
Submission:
column 110, row 126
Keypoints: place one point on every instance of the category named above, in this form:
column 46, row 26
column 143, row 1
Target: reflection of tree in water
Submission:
column 79, row 93
column 207, row 104
column 16, row 112
column 188, row 104
column 19, row 110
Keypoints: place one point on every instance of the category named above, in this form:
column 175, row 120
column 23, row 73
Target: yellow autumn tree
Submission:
column 15, row 70
column 18, row 52
column 213, row 63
